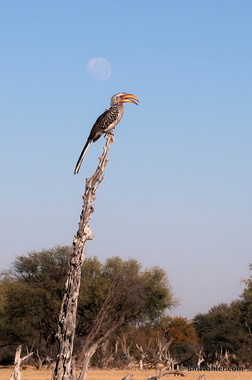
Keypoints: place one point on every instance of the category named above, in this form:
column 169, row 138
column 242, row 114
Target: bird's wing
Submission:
column 107, row 119
column 102, row 123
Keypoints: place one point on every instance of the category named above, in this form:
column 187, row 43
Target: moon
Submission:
column 99, row 68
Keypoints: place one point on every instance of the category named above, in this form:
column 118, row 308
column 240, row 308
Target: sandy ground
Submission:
column 31, row 374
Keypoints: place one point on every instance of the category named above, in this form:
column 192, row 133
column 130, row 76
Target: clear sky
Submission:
column 177, row 190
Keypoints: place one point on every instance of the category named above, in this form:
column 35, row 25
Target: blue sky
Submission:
column 177, row 190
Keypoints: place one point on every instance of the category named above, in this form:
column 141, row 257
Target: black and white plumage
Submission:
column 107, row 121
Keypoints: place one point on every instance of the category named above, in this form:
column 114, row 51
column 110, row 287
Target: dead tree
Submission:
column 157, row 355
column 16, row 374
column 142, row 356
column 64, row 368
column 199, row 353
column 126, row 351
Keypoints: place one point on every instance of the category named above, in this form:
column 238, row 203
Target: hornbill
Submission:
column 107, row 121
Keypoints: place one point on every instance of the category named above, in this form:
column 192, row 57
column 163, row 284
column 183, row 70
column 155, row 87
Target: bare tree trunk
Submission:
column 199, row 353
column 64, row 369
column 126, row 351
column 88, row 352
column 88, row 355
column 142, row 356
column 16, row 374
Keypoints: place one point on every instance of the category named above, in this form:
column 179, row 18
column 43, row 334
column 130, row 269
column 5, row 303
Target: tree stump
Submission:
column 16, row 374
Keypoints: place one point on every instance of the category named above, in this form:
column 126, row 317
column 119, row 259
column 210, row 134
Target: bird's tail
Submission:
column 82, row 155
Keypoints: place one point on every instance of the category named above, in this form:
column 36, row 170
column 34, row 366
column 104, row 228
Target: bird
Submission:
column 107, row 121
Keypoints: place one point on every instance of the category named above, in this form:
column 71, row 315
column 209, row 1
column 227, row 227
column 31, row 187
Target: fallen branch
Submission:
column 166, row 372
column 160, row 374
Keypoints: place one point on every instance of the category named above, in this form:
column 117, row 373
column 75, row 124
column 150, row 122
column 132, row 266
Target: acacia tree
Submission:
column 127, row 295
column 224, row 335
column 31, row 296
column 246, row 305
column 116, row 293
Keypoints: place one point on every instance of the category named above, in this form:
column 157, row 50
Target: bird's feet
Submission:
column 111, row 132
column 110, row 135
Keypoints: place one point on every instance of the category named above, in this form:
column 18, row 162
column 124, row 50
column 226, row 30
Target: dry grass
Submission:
column 31, row 374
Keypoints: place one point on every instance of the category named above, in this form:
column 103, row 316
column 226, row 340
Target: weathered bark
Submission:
column 64, row 369
column 16, row 374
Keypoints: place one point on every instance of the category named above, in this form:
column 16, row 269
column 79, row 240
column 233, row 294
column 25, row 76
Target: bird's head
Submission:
column 123, row 97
